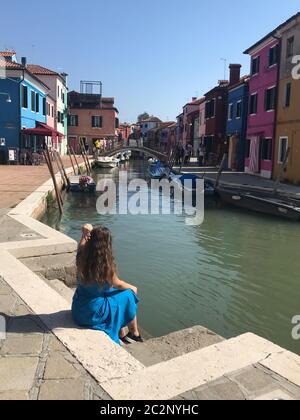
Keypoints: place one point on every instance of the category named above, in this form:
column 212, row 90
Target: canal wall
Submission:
column 190, row 364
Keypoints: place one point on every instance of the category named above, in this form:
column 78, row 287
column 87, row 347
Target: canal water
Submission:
column 238, row 272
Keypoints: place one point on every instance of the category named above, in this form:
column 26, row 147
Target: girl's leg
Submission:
column 133, row 327
column 122, row 333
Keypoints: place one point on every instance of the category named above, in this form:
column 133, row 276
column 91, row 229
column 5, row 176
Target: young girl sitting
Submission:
column 102, row 301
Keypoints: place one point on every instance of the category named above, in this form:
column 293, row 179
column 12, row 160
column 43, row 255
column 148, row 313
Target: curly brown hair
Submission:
column 95, row 262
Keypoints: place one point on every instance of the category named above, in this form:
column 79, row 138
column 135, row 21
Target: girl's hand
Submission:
column 86, row 231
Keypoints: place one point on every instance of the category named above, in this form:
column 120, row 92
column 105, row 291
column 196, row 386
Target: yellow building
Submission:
column 288, row 112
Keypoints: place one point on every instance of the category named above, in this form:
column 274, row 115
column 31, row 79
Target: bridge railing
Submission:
column 115, row 146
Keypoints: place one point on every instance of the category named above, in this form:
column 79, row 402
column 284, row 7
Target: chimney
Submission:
column 235, row 74
column 24, row 61
column 194, row 99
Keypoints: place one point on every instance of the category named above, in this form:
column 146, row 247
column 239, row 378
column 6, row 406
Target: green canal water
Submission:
column 238, row 272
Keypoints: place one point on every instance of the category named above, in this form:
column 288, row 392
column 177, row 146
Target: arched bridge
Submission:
column 141, row 149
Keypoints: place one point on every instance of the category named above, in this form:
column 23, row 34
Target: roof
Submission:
column 41, row 71
column 7, row 53
column 272, row 33
column 196, row 102
column 151, row 119
column 10, row 65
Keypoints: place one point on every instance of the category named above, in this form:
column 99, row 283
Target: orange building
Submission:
column 288, row 110
column 91, row 118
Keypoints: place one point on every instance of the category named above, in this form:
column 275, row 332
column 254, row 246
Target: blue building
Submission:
column 22, row 109
column 238, row 98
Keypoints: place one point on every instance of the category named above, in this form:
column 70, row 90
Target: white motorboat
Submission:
column 107, row 162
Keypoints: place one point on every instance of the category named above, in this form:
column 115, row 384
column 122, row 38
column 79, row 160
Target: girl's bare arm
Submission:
column 122, row 285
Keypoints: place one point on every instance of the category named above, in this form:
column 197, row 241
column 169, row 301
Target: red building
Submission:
column 216, row 117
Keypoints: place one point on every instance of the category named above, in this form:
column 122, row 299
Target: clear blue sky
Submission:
column 150, row 55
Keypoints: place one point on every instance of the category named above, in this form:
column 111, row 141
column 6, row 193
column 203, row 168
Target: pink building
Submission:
column 202, row 121
column 262, row 106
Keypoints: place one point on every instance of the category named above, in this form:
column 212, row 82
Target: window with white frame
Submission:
column 230, row 112
column 239, row 109
column 283, row 148
column 96, row 121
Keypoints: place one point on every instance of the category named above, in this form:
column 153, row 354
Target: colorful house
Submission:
column 238, row 97
column 23, row 121
column 191, row 118
column 147, row 125
column 263, row 85
column 57, row 83
column 288, row 107
column 202, row 122
column 92, row 118
column 215, row 122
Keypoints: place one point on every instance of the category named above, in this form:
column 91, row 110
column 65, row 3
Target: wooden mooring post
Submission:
column 51, row 170
column 76, row 161
column 70, row 156
column 220, row 171
column 84, row 159
column 63, row 169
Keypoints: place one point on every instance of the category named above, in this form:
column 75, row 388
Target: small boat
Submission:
column 273, row 206
column 82, row 184
column 157, row 171
column 189, row 183
column 107, row 162
column 121, row 157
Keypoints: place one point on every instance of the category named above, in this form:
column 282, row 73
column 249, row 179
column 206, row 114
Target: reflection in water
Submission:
column 236, row 273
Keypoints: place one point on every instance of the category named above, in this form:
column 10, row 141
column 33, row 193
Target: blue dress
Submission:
column 106, row 309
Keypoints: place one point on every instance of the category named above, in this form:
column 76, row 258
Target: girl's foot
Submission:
column 135, row 338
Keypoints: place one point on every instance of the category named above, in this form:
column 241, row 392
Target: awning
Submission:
column 42, row 130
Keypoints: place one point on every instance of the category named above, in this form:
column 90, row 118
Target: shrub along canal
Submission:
column 237, row 272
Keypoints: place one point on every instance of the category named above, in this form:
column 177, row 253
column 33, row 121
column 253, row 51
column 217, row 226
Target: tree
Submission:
column 143, row 116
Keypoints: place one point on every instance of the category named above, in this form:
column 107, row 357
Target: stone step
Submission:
column 175, row 377
column 161, row 349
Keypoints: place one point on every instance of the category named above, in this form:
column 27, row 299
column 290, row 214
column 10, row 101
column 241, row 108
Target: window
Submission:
column 32, row 101
column 270, row 99
column 253, row 104
column 288, row 92
column 117, row 123
column 52, row 113
column 290, row 47
column 255, row 66
column 58, row 91
column 230, row 112
column 24, row 96
column 37, row 103
column 45, row 106
column 63, row 97
column 239, row 109
column 210, row 109
column 273, row 56
column 283, row 148
column 248, row 148
column 266, row 149
column 97, row 122
column 73, row 120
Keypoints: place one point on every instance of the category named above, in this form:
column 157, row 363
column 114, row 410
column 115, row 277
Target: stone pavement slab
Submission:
column 17, row 182
column 35, row 365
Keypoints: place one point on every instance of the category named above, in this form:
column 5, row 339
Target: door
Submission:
column 254, row 165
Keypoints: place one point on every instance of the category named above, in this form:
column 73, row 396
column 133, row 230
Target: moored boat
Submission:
column 107, row 162
column 273, row 206
column 189, row 183
column 82, row 184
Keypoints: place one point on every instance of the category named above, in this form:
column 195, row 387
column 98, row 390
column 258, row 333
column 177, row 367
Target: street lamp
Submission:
column 8, row 100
